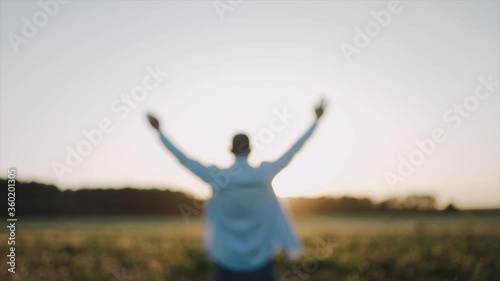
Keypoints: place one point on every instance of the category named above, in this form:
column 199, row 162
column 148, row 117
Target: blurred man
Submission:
column 245, row 226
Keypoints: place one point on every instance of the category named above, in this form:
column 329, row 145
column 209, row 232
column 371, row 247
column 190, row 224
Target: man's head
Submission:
column 241, row 145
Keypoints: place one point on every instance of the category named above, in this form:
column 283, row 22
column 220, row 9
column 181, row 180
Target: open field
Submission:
column 350, row 248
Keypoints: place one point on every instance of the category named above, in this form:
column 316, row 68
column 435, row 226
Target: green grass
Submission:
column 350, row 248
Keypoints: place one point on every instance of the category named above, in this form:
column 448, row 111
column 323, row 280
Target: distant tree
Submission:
column 451, row 209
column 389, row 204
column 420, row 202
column 38, row 199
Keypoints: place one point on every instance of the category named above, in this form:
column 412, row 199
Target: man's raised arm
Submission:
column 194, row 166
column 285, row 159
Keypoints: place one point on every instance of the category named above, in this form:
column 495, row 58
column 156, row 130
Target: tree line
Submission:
column 39, row 199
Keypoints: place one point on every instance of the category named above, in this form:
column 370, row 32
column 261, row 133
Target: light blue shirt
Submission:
column 244, row 223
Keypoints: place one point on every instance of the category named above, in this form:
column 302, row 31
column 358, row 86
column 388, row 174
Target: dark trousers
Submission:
column 265, row 273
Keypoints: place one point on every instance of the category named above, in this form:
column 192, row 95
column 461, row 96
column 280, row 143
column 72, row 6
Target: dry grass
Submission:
column 342, row 248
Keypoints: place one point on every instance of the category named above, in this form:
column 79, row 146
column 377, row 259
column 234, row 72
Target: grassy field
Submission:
column 400, row 248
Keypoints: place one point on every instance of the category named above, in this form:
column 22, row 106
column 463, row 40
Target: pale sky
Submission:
column 229, row 72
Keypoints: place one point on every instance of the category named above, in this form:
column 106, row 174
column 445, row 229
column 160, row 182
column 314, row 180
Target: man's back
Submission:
column 239, row 219
column 245, row 225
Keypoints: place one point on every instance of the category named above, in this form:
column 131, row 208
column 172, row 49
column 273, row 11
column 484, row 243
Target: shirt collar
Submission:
column 241, row 159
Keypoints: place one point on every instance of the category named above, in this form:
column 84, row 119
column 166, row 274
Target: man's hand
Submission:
column 153, row 121
column 320, row 109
